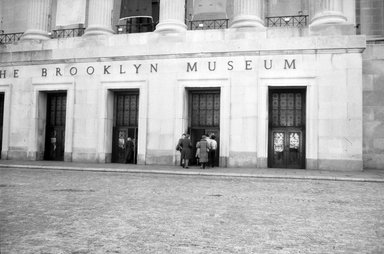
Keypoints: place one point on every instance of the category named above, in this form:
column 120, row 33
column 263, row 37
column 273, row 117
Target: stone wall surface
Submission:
column 373, row 106
column 162, row 68
column 370, row 17
column 13, row 16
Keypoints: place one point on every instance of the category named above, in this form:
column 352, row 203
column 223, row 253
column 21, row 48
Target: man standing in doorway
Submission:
column 212, row 150
column 129, row 149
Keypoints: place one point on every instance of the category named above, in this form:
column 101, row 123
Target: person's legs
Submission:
column 213, row 156
column 186, row 163
column 182, row 159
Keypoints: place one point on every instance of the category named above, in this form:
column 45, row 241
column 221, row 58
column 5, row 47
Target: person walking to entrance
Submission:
column 179, row 148
column 186, row 150
column 212, row 150
column 129, row 149
column 203, row 146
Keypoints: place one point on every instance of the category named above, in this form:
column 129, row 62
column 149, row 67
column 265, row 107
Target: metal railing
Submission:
column 66, row 33
column 287, row 21
column 135, row 28
column 208, row 24
column 10, row 38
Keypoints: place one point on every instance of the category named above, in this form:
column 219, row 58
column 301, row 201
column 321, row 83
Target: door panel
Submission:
column 279, row 145
column 294, row 149
column 287, row 128
column 1, row 121
column 126, row 108
column 55, row 128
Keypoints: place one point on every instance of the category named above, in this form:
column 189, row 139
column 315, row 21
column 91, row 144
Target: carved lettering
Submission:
column 58, row 72
column 230, row 65
column 191, row 68
column 44, row 72
column 2, row 73
column 289, row 65
column 121, row 69
column 73, row 71
column 137, row 68
column 248, row 66
column 270, row 65
column 286, row 64
column 90, row 70
column 153, row 67
column 214, row 66
column 106, row 69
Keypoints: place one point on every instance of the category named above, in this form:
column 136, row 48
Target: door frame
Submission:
column 136, row 128
column 311, row 115
column 40, row 87
column 6, row 88
column 105, row 117
column 181, row 112
column 287, row 129
column 192, row 91
column 46, row 152
column 2, row 99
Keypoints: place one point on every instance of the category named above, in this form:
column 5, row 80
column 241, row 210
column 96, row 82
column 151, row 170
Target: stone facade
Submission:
column 332, row 78
column 243, row 62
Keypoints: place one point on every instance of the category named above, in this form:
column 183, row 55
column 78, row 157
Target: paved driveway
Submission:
column 47, row 211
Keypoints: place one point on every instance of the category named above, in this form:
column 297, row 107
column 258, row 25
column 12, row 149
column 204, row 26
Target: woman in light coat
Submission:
column 204, row 149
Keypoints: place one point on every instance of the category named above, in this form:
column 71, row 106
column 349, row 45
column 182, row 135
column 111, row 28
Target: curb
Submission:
column 199, row 173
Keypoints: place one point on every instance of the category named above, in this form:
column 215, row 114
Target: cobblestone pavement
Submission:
column 54, row 211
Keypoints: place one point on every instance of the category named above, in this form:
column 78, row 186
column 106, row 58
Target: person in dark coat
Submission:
column 203, row 146
column 129, row 149
column 179, row 148
column 212, row 150
column 186, row 150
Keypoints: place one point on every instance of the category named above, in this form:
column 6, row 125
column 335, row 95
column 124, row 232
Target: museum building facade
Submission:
column 279, row 91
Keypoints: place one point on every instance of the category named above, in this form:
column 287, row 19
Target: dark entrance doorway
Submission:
column 55, row 128
column 1, row 121
column 125, row 126
column 204, row 117
column 287, row 128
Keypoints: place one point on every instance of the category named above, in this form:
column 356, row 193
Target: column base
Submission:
column 247, row 21
column 98, row 30
column 171, row 27
column 4, row 154
column 34, row 34
column 328, row 17
column 104, row 158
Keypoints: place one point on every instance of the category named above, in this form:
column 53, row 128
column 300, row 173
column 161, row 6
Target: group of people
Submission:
column 205, row 150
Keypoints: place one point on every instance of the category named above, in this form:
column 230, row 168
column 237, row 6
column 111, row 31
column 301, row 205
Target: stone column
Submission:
column 248, row 13
column 99, row 17
column 328, row 18
column 327, row 12
column 39, row 13
column 172, row 16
